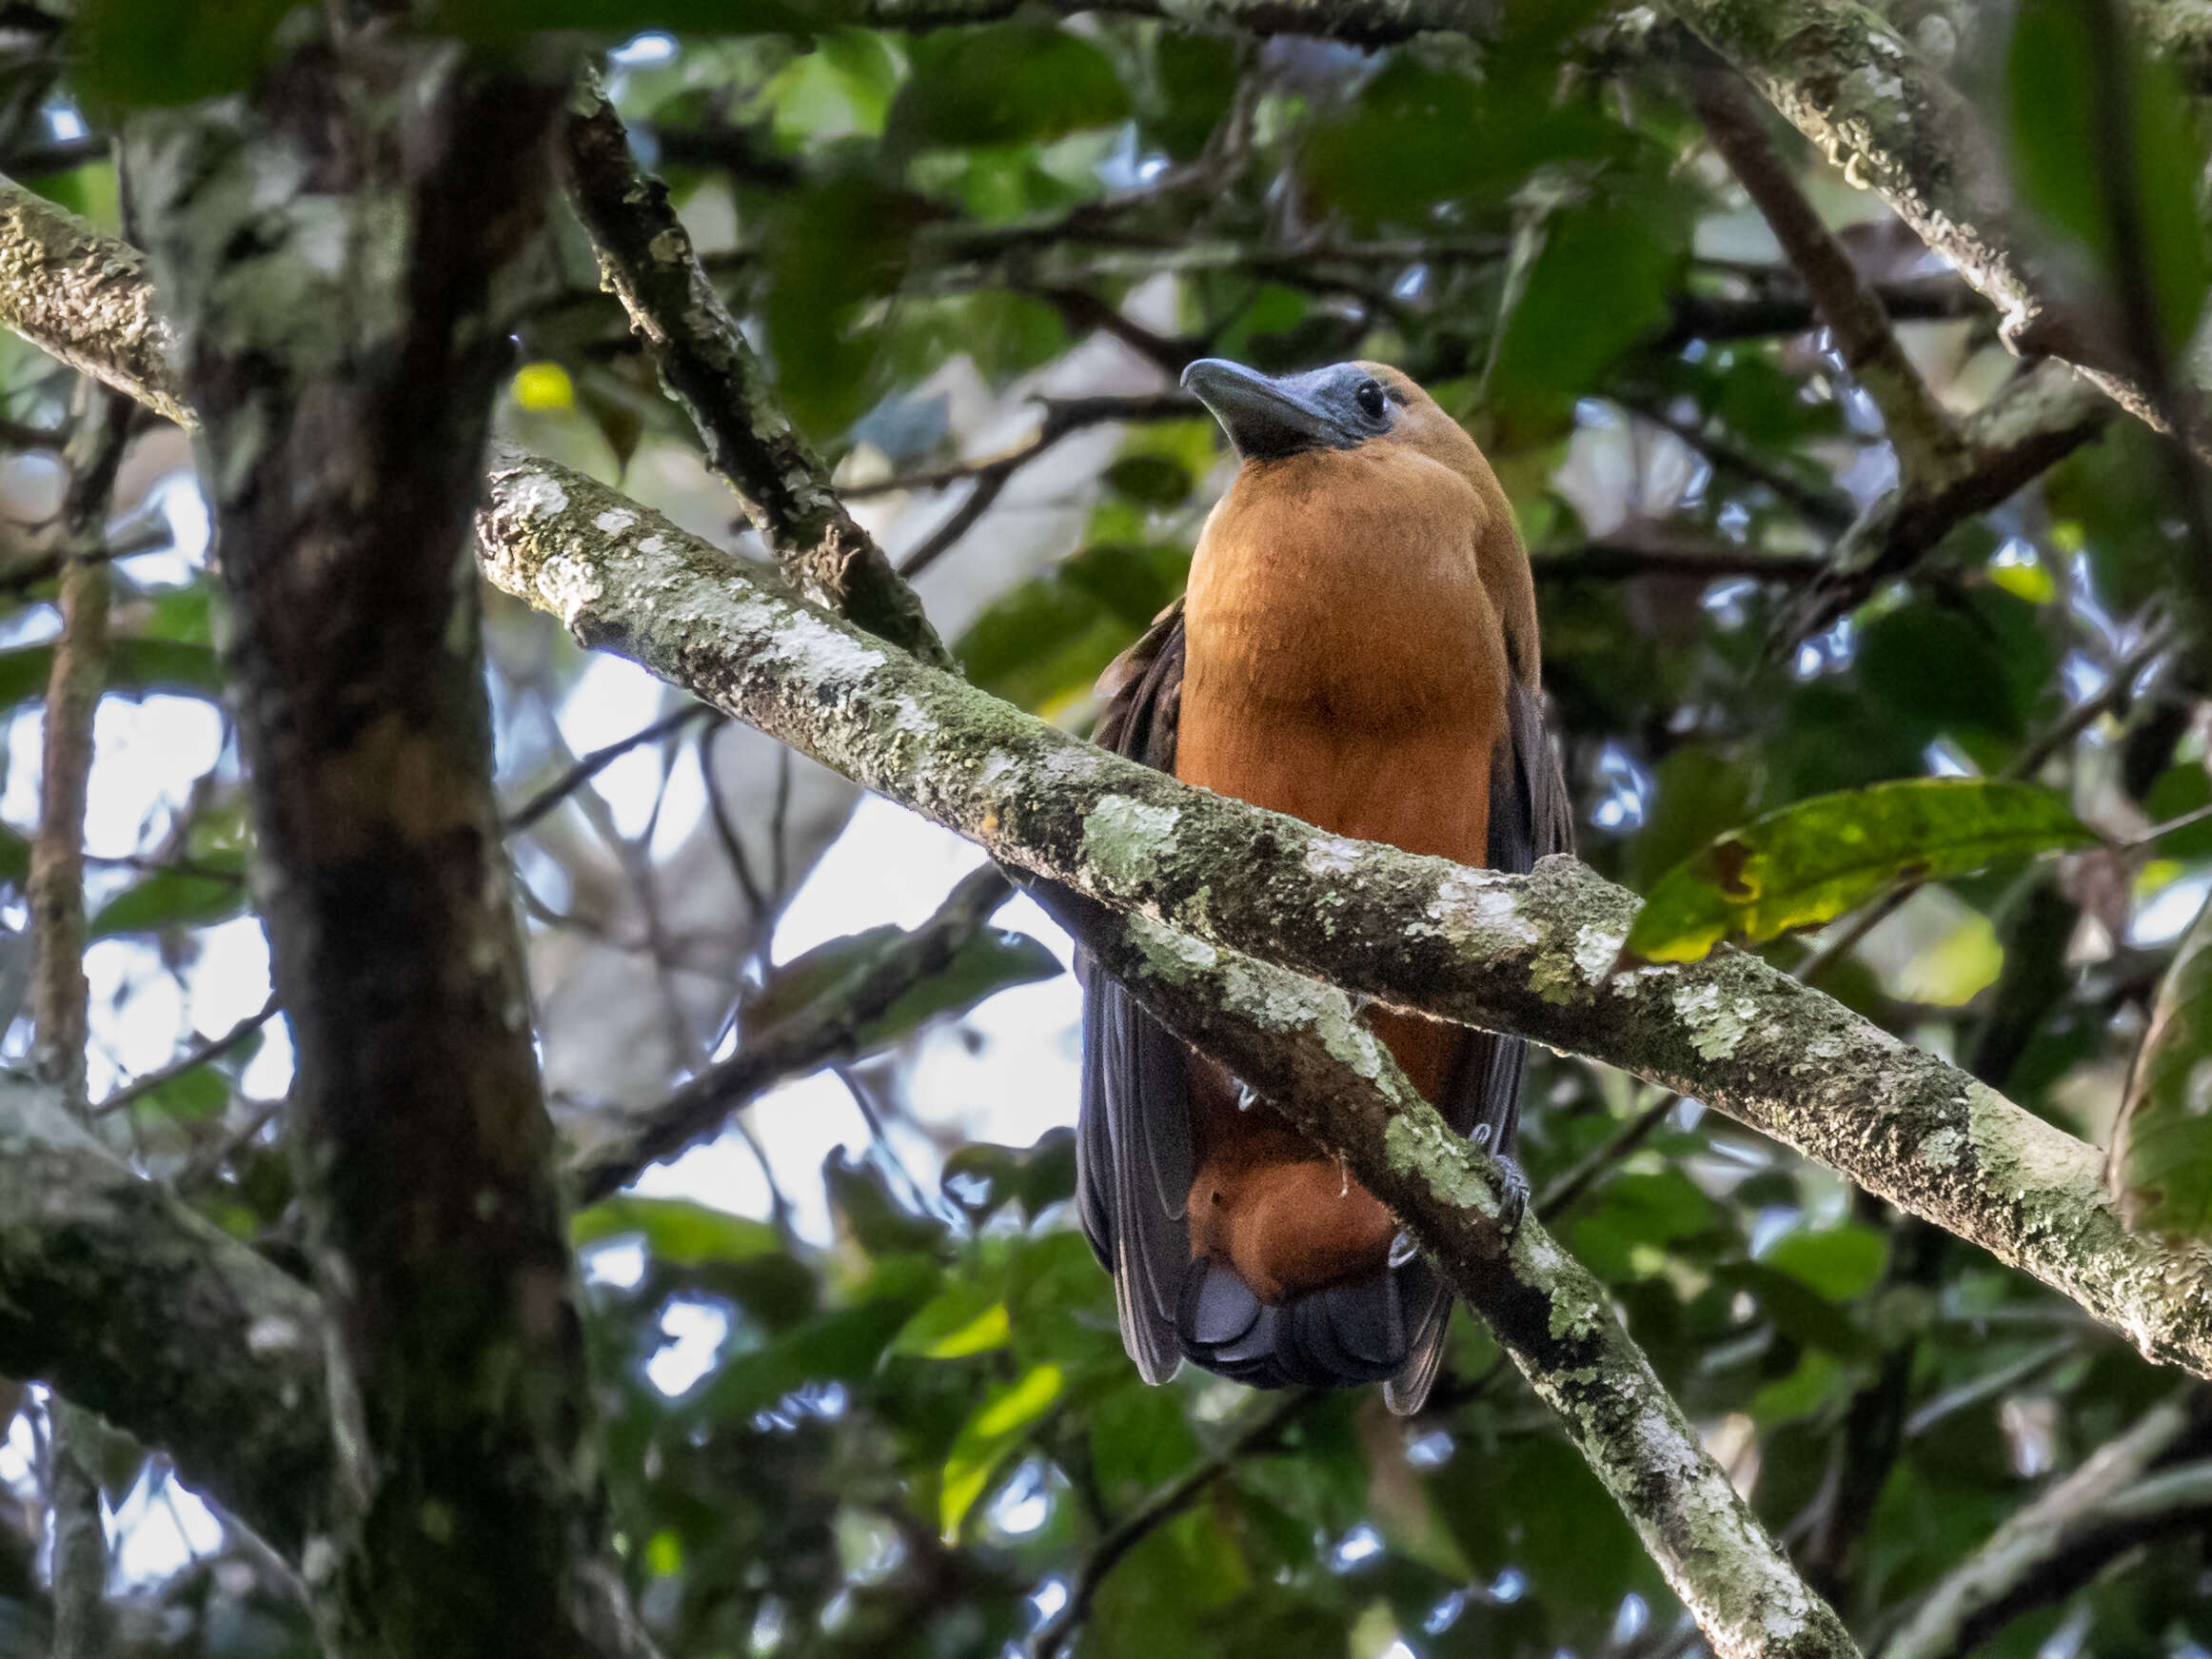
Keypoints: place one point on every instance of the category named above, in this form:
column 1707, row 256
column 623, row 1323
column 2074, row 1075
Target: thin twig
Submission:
column 987, row 489
column 809, row 1040
column 1262, row 1434
column 84, row 1621
column 2016, row 1565
column 1609, row 560
column 1830, row 508
column 990, row 478
column 705, row 363
column 1716, row 317
column 1570, row 1185
column 213, row 1049
column 590, row 766
column 1061, row 417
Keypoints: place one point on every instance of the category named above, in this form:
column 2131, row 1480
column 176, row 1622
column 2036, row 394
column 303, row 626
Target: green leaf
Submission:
column 1598, row 281
column 676, row 1231
column 1152, row 480
column 1378, row 161
column 1812, row 862
column 832, row 248
column 987, row 1437
column 214, row 890
column 1004, row 84
column 1799, row 1394
column 962, row 1319
column 14, row 857
column 192, row 1097
column 869, row 1212
column 1034, row 1176
column 2161, row 1161
column 138, row 52
column 1045, row 641
column 996, row 960
column 1838, row 1262
column 839, row 1345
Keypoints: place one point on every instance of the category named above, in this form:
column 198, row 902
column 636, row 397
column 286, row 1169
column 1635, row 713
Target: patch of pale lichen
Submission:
column 1425, row 1151
column 1125, row 840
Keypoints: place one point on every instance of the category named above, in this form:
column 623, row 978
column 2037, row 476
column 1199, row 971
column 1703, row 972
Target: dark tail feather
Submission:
column 1348, row 1334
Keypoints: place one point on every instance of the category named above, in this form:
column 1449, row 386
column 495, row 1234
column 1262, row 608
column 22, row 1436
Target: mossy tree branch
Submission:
column 1302, row 1047
column 646, row 261
column 1531, row 954
column 132, row 1305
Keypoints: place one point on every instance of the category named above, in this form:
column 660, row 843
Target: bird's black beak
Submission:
column 1264, row 418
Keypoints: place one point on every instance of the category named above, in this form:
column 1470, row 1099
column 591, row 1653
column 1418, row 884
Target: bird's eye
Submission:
column 1369, row 398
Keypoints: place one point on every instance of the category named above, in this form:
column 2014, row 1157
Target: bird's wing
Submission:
column 1529, row 817
column 1133, row 1142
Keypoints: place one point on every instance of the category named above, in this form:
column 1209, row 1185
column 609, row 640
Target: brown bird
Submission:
column 1357, row 647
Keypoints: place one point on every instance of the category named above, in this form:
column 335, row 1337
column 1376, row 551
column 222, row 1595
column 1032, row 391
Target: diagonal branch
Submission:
column 1301, row 1046
column 1923, row 434
column 134, row 1306
column 1850, row 83
column 2035, row 421
column 1531, row 954
column 2107, row 1505
column 646, row 261
column 83, row 298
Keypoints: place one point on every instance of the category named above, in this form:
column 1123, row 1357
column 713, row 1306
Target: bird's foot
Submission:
column 1514, row 1201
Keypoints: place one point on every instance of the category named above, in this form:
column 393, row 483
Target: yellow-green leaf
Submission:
column 964, row 1318
column 1812, row 862
column 987, row 1437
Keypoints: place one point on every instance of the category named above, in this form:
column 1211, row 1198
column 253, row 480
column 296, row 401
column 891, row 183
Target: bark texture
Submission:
column 645, row 260
column 1535, row 954
column 83, row 298
column 1357, row 22
column 134, row 1306
column 339, row 259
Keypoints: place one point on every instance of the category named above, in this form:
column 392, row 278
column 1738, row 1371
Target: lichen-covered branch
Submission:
column 1301, row 1046
column 646, row 261
column 133, row 1306
column 83, row 298
column 1848, row 80
column 2041, row 417
column 1534, row 954
column 344, row 260
column 1947, row 470
column 2181, row 30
